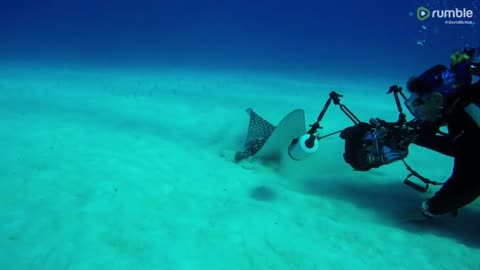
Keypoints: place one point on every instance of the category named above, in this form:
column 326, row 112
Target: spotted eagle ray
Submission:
column 268, row 142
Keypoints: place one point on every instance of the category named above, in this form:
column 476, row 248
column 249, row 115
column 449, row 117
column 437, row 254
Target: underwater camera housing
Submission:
column 371, row 145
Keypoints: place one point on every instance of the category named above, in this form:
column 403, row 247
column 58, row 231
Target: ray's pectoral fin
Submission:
column 259, row 130
column 251, row 149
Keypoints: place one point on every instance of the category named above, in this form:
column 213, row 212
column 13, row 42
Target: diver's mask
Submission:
column 427, row 107
column 430, row 92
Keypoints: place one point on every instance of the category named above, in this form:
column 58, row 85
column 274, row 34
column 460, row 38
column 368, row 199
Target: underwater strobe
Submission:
column 303, row 146
column 307, row 144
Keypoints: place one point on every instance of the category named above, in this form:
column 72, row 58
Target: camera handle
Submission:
column 416, row 186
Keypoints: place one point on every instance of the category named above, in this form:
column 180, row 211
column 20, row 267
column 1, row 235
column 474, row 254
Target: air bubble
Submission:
column 421, row 43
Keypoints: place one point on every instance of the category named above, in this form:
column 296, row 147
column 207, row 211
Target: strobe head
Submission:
column 302, row 147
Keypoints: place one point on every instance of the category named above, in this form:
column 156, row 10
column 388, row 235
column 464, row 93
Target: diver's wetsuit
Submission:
column 462, row 143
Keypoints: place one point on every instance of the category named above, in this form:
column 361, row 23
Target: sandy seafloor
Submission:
column 131, row 169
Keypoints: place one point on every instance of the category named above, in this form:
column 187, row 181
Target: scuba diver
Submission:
column 441, row 96
column 444, row 96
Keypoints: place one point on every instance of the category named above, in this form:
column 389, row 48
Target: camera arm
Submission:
column 396, row 90
column 305, row 145
column 335, row 98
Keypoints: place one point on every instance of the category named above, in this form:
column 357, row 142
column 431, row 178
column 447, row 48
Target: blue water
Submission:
column 340, row 37
column 119, row 122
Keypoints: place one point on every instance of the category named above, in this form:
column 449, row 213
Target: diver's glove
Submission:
column 419, row 130
column 395, row 134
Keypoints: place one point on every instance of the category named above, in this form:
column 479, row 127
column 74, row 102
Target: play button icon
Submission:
column 423, row 13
